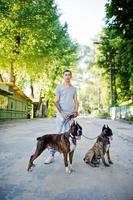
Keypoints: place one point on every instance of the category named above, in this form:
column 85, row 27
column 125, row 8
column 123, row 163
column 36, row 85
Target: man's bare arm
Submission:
column 76, row 105
column 57, row 104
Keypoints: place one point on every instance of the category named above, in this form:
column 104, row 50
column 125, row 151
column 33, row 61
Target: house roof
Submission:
column 15, row 89
column 4, row 92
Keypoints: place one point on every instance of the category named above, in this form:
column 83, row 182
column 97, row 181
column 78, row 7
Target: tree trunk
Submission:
column 39, row 104
column 47, row 103
column 111, row 80
column 115, row 91
column 32, row 89
column 15, row 51
column 12, row 78
column 1, row 79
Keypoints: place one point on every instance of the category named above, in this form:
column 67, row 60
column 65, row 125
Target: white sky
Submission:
column 84, row 18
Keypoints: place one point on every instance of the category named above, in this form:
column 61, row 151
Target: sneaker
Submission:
column 49, row 160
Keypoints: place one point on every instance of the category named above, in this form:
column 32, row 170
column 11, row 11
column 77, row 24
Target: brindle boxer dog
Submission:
column 100, row 148
column 64, row 143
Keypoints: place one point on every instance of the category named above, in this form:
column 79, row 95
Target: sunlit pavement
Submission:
column 50, row 182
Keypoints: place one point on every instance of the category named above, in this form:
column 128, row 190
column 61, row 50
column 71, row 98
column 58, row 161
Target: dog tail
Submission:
column 38, row 138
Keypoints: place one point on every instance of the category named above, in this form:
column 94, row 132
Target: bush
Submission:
column 130, row 118
column 103, row 114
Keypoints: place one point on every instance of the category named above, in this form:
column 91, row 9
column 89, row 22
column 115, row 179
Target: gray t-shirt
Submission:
column 66, row 97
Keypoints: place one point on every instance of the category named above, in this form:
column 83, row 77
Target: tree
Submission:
column 116, row 49
column 34, row 44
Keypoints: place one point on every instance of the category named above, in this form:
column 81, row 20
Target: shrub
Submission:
column 103, row 114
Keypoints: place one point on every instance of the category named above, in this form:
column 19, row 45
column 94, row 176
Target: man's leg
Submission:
column 59, row 125
column 66, row 126
column 50, row 158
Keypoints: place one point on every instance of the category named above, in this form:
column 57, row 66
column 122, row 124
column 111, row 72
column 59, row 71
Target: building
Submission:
column 14, row 104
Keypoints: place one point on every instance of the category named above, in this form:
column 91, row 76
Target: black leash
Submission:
column 67, row 120
column 89, row 138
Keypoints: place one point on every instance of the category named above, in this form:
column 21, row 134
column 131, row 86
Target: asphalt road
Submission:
column 50, row 182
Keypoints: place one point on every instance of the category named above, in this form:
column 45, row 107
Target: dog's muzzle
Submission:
column 79, row 133
column 110, row 138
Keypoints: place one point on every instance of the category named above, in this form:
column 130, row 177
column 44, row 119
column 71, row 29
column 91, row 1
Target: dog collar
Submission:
column 71, row 136
column 104, row 139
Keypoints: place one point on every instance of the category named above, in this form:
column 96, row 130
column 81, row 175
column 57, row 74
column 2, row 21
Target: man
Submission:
column 67, row 104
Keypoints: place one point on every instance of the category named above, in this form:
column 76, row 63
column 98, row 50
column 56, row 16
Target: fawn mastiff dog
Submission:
column 100, row 148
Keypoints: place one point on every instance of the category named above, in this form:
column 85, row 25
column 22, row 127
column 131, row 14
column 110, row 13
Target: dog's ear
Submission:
column 73, row 123
column 103, row 127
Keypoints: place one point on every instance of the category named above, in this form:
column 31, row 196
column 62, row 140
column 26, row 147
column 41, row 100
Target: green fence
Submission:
column 12, row 114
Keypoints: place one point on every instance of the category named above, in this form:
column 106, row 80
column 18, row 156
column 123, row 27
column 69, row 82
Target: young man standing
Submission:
column 67, row 104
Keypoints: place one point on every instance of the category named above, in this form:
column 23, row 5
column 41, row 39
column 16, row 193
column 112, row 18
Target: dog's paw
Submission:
column 29, row 170
column 68, row 171
column 86, row 161
column 91, row 164
column 71, row 168
column 110, row 162
column 107, row 165
column 97, row 165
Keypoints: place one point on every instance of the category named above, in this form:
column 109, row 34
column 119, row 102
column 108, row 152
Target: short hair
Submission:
column 67, row 70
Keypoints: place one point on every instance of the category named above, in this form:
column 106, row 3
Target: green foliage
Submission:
column 130, row 118
column 93, row 88
column 33, row 39
column 103, row 114
column 116, row 49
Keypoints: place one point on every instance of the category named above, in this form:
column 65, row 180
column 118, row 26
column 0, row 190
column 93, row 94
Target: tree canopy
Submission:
column 34, row 46
column 116, row 48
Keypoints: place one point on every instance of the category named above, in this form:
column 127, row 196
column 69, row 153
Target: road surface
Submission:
column 50, row 182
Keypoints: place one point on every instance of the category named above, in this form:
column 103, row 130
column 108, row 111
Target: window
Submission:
column 3, row 102
column 11, row 105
